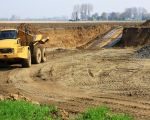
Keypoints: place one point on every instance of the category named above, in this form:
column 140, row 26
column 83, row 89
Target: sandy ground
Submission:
column 75, row 80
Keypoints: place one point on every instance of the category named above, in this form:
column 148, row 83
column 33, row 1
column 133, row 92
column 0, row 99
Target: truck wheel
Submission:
column 26, row 63
column 43, row 51
column 37, row 55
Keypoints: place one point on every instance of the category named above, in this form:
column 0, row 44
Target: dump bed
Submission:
column 29, row 35
column 25, row 39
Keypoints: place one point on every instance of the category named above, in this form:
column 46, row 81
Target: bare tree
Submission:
column 134, row 13
column 95, row 16
column 141, row 13
column 129, row 14
column 114, row 16
column 76, row 12
column 85, row 11
column 90, row 9
column 104, row 16
column 82, row 12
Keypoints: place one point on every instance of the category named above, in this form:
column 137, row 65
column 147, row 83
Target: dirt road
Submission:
column 76, row 80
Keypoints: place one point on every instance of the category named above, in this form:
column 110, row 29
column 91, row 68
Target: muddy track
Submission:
column 76, row 80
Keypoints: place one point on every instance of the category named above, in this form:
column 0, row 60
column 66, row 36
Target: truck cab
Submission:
column 11, row 50
column 18, row 46
column 8, row 38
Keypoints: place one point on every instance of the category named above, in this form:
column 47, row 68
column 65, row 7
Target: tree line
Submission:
column 84, row 12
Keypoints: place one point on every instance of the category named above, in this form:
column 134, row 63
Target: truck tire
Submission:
column 26, row 63
column 43, row 52
column 37, row 55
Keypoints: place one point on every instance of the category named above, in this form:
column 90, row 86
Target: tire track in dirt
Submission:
column 5, row 84
column 75, row 81
column 137, row 109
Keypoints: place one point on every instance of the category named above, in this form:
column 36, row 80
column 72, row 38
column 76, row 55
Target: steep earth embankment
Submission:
column 74, row 37
column 136, row 36
column 71, row 34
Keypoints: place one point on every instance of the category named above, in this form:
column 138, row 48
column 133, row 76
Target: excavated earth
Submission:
column 138, row 35
column 68, row 35
column 135, row 36
column 76, row 80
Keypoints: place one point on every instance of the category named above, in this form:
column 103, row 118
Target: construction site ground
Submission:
column 76, row 79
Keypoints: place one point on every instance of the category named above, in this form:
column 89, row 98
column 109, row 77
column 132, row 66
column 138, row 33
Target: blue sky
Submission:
column 50, row 8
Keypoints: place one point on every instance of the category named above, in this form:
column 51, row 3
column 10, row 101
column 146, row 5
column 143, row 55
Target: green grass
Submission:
column 102, row 113
column 21, row 110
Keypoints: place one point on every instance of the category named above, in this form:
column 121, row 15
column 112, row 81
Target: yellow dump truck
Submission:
column 21, row 47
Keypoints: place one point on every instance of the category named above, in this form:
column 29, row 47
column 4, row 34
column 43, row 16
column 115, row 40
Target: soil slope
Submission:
column 136, row 36
column 73, row 37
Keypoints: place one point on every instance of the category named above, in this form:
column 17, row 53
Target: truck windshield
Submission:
column 9, row 34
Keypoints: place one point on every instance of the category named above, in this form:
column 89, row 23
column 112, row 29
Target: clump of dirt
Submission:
column 144, row 52
column 14, row 97
column 135, row 36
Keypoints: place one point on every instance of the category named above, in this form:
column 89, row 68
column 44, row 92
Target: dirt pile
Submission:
column 29, row 28
column 135, row 36
column 26, row 33
column 14, row 97
column 144, row 52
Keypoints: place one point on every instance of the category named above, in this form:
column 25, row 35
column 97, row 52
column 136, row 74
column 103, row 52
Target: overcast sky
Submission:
column 51, row 8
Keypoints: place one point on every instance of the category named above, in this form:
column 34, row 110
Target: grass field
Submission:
column 102, row 113
column 21, row 110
